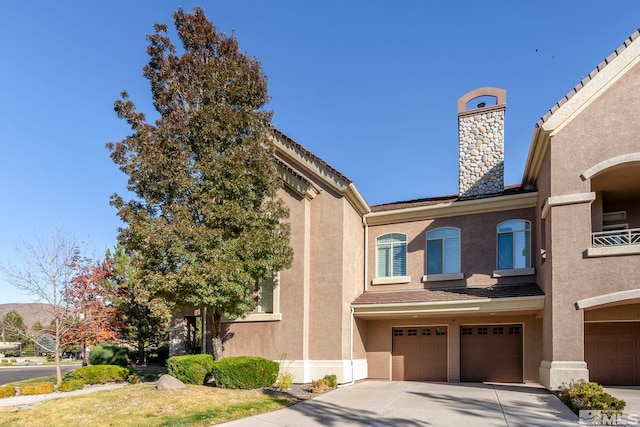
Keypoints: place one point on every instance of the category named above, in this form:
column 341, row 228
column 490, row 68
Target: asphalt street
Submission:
column 11, row 374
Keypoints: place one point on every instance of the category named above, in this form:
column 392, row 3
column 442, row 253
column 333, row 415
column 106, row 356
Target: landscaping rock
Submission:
column 167, row 382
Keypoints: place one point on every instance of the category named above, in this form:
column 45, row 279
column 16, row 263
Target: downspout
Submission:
column 352, row 320
column 353, row 380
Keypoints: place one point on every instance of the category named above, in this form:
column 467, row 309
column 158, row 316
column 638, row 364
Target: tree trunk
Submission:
column 140, row 358
column 214, row 321
column 57, row 354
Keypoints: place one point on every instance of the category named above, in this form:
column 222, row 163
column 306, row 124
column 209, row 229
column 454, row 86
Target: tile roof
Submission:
column 508, row 190
column 311, row 155
column 591, row 75
column 448, row 294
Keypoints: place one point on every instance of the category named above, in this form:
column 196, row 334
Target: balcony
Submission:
column 615, row 242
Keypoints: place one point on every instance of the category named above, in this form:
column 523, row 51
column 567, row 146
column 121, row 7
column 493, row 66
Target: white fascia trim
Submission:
column 604, row 78
column 465, row 207
column 395, row 280
column 567, row 199
column 355, row 198
column 614, row 161
column 607, row 298
column 443, row 307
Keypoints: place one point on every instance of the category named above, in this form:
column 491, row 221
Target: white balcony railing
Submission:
column 616, row 237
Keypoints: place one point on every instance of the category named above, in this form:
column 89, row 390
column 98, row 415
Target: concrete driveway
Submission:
column 412, row 404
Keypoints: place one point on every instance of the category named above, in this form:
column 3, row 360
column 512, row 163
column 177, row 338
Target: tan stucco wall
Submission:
column 378, row 341
column 629, row 312
column 606, row 128
column 478, row 248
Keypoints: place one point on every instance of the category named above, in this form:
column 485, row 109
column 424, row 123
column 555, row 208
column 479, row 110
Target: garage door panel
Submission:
column 419, row 354
column 612, row 352
column 491, row 353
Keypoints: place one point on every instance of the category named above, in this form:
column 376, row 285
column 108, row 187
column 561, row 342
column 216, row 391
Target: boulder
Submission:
column 167, row 382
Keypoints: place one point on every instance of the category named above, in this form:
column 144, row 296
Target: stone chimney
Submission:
column 481, row 141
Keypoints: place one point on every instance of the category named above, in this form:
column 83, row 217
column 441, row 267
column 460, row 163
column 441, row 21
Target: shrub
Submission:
column 133, row 379
column 71, row 384
column 109, row 355
column 324, row 384
column 149, row 377
column 100, row 374
column 589, row 396
column 4, row 360
column 190, row 369
column 332, row 380
column 284, row 381
column 44, row 388
column 245, row 372
column 12, row 360
column 319, row 386
column 7, row 391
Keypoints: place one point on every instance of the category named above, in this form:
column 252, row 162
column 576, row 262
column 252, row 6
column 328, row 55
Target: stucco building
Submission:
column 533, row 282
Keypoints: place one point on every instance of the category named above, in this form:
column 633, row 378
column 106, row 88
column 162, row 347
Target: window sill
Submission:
column 395, row 280
column 514, row 272
column 442, row 277
column 258, row 317
column 615, row 250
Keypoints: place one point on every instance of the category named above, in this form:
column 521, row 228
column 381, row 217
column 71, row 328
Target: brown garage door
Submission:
column 612, row 352
column 419, row 354
column 491, row 353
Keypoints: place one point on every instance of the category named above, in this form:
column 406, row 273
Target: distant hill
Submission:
column 30, row 312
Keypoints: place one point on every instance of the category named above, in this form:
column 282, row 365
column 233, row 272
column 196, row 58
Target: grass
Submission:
column 144, row 406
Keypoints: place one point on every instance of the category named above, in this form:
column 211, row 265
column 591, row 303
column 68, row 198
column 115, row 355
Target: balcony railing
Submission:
column 616, row 237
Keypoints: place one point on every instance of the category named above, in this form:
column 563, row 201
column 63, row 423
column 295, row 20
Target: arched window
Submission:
column 514, row 244
column 443, row 251
column 391, row 255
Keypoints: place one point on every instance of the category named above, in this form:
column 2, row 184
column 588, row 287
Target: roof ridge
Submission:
column 310, row 154
column 589, row 77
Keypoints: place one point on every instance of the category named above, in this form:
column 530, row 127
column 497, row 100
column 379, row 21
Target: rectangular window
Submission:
column 398, row 332
column 412, row 332
column 514, row 244
column 391, row 254
column 441, row 331
column 443, row 251
column 265, row 296
column 498, row 331
column 483, row 331
column 514, row 330
column 467, row 331
column 426, row 332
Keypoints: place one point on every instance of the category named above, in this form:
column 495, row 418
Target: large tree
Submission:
column 145, row 317
column 205, row 221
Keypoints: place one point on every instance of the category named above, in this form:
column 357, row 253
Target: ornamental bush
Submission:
column 245, row 372
column 109, row 355
column 44, row 388
column 101, row 374
column 71, row 384
column 324, row 384
column 190, row 369
column 584, row 395
column 7, row 391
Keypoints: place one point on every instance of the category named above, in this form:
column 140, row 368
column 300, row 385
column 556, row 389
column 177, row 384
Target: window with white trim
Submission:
column 443, row 251
column 266, row 289
column 391, row 255
column 514, row 244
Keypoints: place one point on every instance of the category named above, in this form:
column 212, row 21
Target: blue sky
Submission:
column 369, row 86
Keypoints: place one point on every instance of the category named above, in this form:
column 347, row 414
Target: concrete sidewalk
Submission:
column 31, row 399
column 412, row 404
